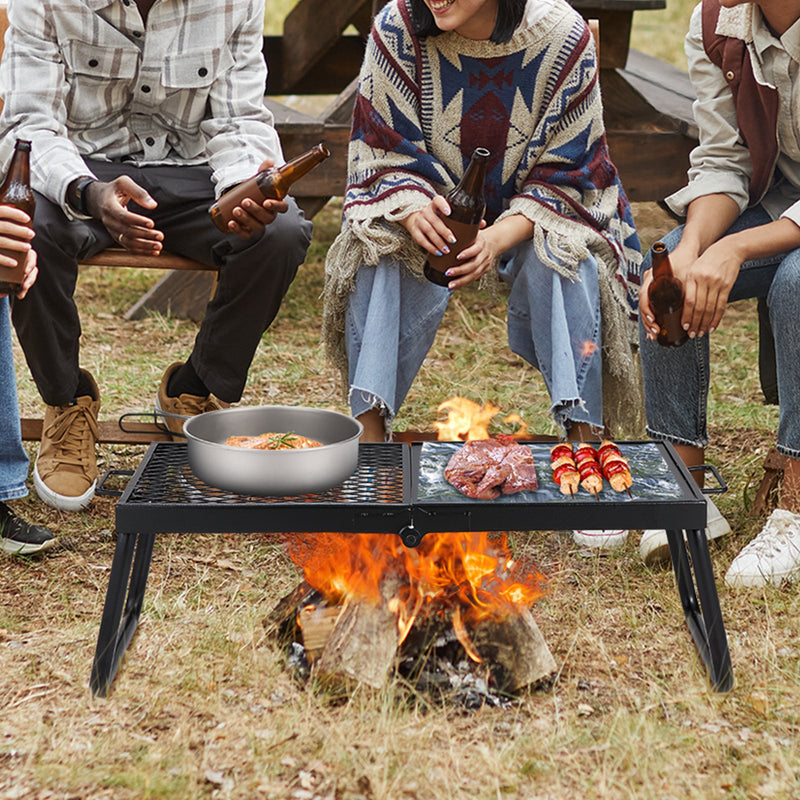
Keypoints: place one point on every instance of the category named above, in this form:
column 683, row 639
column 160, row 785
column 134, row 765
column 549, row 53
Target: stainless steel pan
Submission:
column 272, row 472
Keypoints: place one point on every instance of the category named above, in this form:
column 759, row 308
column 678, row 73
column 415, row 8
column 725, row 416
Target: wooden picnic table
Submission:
column 647, row 102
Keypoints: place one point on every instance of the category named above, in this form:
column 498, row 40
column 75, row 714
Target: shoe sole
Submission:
column 25, row 548
column 62, row 502
column 599, row 541
column 758, row 580
column 659, row 554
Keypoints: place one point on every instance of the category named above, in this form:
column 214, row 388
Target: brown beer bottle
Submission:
column 269, row 183
column 16, row 191
column 467, row 206
column 666, row 299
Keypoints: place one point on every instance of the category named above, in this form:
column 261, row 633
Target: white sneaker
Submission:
column 602, row 538
column 654, row 548
column 773, row 556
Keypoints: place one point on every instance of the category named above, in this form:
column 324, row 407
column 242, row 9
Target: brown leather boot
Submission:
column 184, row 405
column 65, row 473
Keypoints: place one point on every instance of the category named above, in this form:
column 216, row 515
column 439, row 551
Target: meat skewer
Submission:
column 589, row 469
column 615, row 467
column 565, row 473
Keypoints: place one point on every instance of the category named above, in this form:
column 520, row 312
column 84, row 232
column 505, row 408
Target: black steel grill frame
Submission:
column 164, row 496
column 382, row 496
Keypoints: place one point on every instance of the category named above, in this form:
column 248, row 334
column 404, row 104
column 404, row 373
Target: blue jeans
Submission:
column 13, row 458
column 676, row 379
column 553, row 323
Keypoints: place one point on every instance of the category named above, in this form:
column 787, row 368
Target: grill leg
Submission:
column 117, row 628
column 704, row 618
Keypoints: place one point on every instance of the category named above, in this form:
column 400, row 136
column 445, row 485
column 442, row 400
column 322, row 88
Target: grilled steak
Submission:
column 484, row 468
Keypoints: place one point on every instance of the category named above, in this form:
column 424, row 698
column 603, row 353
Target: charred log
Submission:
column 361, row 647
column 515, row 649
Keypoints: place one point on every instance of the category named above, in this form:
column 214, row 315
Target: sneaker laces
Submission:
column 74, row 432
column 781, row 531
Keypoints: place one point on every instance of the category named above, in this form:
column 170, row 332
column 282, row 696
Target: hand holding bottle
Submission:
column 250, row 216
column 247, row 208
column 15, row 237
column 15, row 234
column 430, row 229
column 706, row 281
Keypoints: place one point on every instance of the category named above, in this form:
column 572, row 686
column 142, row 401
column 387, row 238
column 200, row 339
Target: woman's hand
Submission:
column 428, row 227
column 31, row 271
column 707, row 281
column 15, row 238
column 707, row 285
column 476, row 260
column 681, row 260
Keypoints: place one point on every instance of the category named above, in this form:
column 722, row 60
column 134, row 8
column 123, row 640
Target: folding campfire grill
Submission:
column 392, row 491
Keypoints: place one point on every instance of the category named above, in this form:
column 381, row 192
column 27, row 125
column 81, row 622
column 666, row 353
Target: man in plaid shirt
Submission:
column 141, row 113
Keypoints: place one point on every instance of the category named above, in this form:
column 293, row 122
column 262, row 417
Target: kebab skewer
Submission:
column 615, row 467
column 565, row 473
column 589, row 469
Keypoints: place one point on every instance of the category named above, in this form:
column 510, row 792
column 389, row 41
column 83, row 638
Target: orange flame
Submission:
column 471, row 576
column 470, row 571
column 467, row 420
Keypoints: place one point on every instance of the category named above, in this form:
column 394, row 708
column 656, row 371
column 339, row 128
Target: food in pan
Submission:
column 589, row 468
column 615, row 466
column 485, row 468
column 273, row 441
column 565, row 473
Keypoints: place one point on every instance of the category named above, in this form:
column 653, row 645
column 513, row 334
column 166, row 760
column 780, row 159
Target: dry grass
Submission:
column 205, row 707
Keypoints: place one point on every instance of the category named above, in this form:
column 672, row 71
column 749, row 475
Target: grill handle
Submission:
column 721, row 486
column 109, row 473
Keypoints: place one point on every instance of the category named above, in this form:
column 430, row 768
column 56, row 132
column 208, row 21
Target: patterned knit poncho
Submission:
column 423, row 106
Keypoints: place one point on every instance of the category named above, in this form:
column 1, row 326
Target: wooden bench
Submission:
column 185, row 296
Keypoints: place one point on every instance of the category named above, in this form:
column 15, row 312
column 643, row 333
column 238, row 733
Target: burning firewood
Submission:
column 362, row 644
column 516, row 649
column 376, row 605
column 281, row 621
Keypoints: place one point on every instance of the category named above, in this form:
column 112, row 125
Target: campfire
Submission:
column 452, row 614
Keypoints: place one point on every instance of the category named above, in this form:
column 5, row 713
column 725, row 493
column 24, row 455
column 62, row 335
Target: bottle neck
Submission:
column 662, row 268
column 475, row 176
column 300, row 165
column 19, row 167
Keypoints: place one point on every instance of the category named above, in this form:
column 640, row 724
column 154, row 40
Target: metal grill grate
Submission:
column 167, row 478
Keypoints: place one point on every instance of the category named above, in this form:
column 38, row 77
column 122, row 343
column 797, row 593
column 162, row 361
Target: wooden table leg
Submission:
column 704, row 618
column 123, row 605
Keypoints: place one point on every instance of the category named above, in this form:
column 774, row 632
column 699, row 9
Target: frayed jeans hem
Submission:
column 361, row 401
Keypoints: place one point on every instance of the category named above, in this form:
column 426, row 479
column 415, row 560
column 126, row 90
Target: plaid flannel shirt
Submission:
column 87, row 78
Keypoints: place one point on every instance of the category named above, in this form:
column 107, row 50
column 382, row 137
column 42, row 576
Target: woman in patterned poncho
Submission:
column 520, row 79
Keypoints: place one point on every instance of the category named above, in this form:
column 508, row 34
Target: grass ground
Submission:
column 204, row 706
